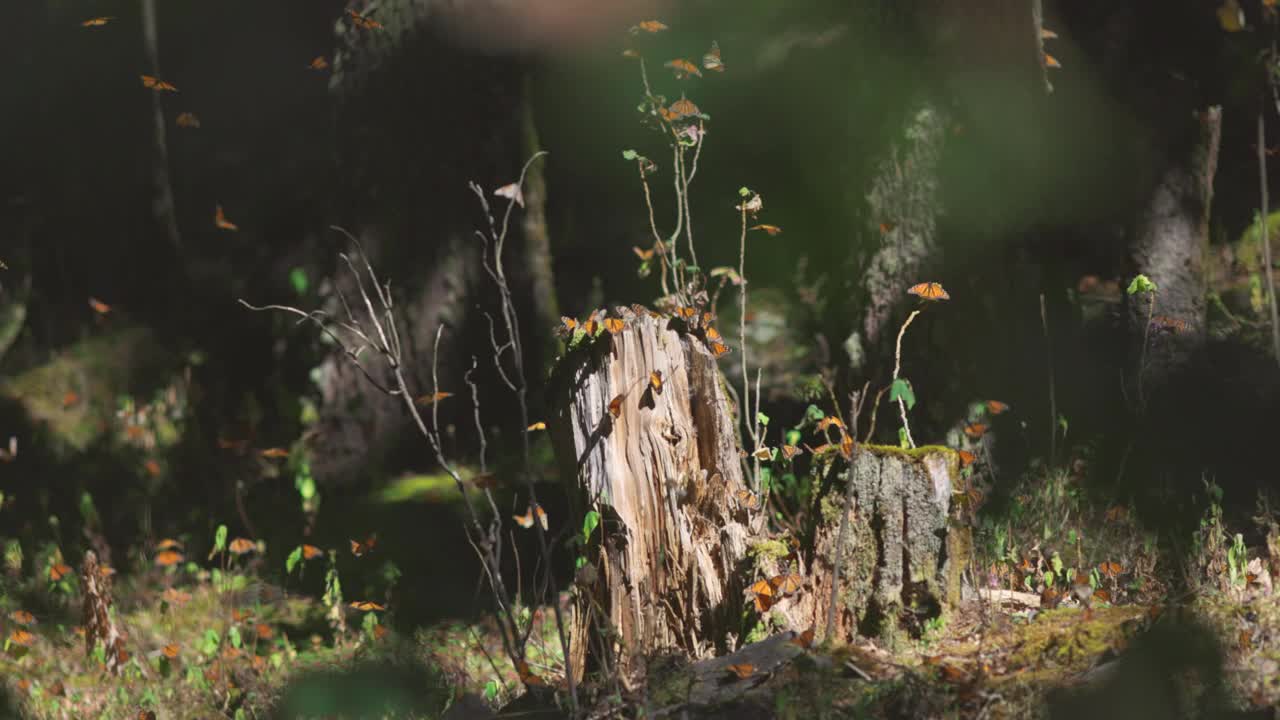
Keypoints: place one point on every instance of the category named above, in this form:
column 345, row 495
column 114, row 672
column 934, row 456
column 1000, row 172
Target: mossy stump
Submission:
column 903, row 552
column 663, row 469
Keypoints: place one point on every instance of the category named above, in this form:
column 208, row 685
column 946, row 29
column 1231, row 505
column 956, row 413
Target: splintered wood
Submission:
column 98, row 624
column 645, row 427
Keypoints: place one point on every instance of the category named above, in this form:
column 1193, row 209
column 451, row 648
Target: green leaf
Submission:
column 233, row 635
column 743, row 191
column 210, row 644
column 814, row 413
column 491, row 690
column 762, row 419
column 219, row 540
column 792, row 437
column 292, row 561
column 298, row 279
column 630, row 155
column 1056, row 562
column 901, row 389
column 902, row 439
column 1141, row 284
column 589, row 524
column 579, row 562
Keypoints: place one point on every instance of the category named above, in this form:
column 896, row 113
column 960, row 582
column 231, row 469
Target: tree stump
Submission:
column 905, row 547
column 663, row 468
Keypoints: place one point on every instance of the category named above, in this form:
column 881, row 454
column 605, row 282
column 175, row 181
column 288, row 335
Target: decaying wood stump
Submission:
column 905, row 547
column 96, row 615
column 666, row 476
column 682, row 538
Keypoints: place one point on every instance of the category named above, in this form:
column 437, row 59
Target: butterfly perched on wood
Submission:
column 787, row 583
column 711, row 60
column 682, row 108
column 615, row 405
column 928, row 291
column 742, row 670
column 764, row 595
column 614, row 325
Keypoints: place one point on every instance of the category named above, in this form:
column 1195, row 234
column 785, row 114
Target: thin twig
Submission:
column 1053, row 395
column 897, row 366
column 1268, row 270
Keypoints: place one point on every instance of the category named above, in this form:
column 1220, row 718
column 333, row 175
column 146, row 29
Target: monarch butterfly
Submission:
column 823, row 449
column 152, row 467
column 995, row 407
column 804, row 639
column 69, row 399
column 928, row 291
column 22, row 617
column 748, row 499
column 686, row 313
column 742, row 670
column 1047, row 34
column 540, row 425
column 220, row 220
column 752, row 206
column 240, row 615
column 644, row 255
column 59, row 571
column 764, row 597
column 790, row 451
column 527, row 677
column 174, row 596
column 773, row 230
column 567, row 326
column 846, row 445
column 97, row 22
column 511, row 192
column 168, row 558
column 1051, row 61
column 170, row 651
column 1110, row 568
column 98, row 306
column 318, row 63
column 366, row 605
column 655, row 381
column 975, row 431
column 1171, row 324
column 650, row 26
column 713, row 335
column 242, row 546
column 615, row 405
column 591, row 326
column 275, row 452
column 682, row 68
column 683, row 108
column 360, row 549
column 263, row 631
column 711, row 60
column 157, row 84
column 311, row 552
column 966, row 458
column 787, row 583
column 526, row 520
column 21, row 637
column 433, row 398
column 188, row 120
column 829, row 421
column 887, row 227
column 763, row 453
column 361, row 21
column 614, row 325
column 719, row 348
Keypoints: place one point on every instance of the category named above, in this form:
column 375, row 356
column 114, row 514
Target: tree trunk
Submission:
column 906, row 547
column 666, row 477
column 406, row 165
column 1170, row 242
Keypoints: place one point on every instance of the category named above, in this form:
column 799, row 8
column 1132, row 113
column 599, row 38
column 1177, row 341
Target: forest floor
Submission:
column 216, row 645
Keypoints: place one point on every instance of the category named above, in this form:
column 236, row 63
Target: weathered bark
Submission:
column 907, row 546
column 96, row 617
column 1170, row 243
column 162, row 204
column 666, row 476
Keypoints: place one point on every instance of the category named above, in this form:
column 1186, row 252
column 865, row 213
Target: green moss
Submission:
column 775, row 549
